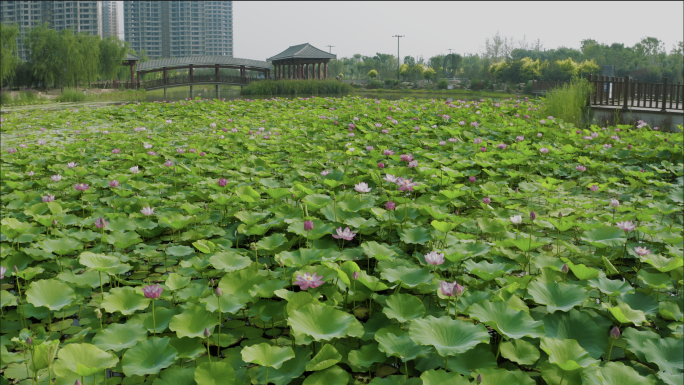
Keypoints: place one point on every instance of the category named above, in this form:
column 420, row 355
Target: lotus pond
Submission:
column 333, row 241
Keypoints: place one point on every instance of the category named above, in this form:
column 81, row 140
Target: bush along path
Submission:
column 332, row 241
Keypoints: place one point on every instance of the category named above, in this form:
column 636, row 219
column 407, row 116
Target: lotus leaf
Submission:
column 124, row 300
column 557, row 296
column 192, row 322
column 567, row 354
column 50, row 293
column 327, row 357
column 148, row 357
column 449, row 337
column 511, row 323
column 85, row 359
column 323, row 323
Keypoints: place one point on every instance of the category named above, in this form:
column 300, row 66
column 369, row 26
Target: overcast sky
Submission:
column 263, row 29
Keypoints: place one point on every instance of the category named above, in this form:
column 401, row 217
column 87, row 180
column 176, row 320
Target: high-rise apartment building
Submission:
column 82, row 16
column 110, row 20
column 179, row 28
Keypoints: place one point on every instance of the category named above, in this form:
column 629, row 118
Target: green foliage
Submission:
column 569, row 102
column 296, row 87
column 8, row 51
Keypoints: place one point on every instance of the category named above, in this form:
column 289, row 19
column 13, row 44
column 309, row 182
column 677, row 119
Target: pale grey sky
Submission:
column 263, row 29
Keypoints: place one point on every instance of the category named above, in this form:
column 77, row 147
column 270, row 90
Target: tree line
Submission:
column 59, row 58
column 505, row 60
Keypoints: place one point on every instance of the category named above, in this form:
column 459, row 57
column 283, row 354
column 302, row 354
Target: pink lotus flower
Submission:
column 3, row 270
column 472, row 179
column 477, row 140
column 434, row 258
column 147, row 211
column 483, row 149
column 114, row 183
column 135, row 170
column 180, row 150
column 48, row 198
column 390, row 178
column 642, row 251
column 192, row 150
column 347, row 234
column 451, row 289
column 56, row 178
column 309, row 281
column 169, row 121
column 72, row 164
column 594, row 188
column 11, row 150
column 412, row 164
column 222, row 182
column 42, row 142
column 614, row 203
column 151, row 153
column 486, row 200
column 544, row 150
column 362, row 187
column 387, row 152
column 627, row 226
column 168, row 163
column 542, row 121
column 461, row 123
column 81, row 187
column 442, row 142
column 581, row 168
column 519, row 138
column 502, row 146
column 539, row 135
column 212, row 125
column 325, row 172
column 152, row 291
column 406, row 184
column 533, row 215
column 147, row 146
column 385, row 131
column 453, row 140
column 390, row 205
column 369, row 148
column 355, row 275
column 406, row 157
column 100, row 223
column 381, row 165
column 204, row 153
column 308, row 225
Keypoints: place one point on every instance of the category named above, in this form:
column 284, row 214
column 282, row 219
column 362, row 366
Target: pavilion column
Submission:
column 318, row 70
column 138, row 79
column 288, row 71
column 132, row 77
column 192, row 73
column 275, row 73
column 166, row 77
column 299, row 71
column 217, row 72
column 326, row 70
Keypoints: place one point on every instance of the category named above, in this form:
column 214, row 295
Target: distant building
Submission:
column 82, row 16
column 110, row 20
column 166, row 29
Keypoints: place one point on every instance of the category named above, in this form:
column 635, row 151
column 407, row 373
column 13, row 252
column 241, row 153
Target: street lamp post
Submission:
column 398, row 57
column 330, row 48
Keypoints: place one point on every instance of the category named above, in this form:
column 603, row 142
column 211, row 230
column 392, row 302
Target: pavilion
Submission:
column 301, row 61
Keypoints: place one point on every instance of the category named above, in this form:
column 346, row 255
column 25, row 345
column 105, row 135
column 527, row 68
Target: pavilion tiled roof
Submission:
column 203, row 60
column 303, row 51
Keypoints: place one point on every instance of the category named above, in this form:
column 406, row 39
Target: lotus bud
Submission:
column 218, row 292
column 211, row 282
column 77, row 382
column 472, row 179
column 308, row 225
column 458, row 289
column 486, row 200
column 390, row 205
column 615, row 333
column 565, row 268
column 355, row 275
column 207, row 333
column 533, row 215
column 479, row 379
column 381, row 165
column 16, row 271
column 560, row 215
column 29, row 341
column 98, row 313
column 614, row 203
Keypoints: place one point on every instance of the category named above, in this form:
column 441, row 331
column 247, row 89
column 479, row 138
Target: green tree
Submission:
column 112, row 53
column 372, row 74
column 89, row 52
column 8, row 51
column 44, row 54
column 429, row 74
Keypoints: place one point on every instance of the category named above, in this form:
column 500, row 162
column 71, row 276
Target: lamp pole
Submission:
column 398, row 57
column 330, row 48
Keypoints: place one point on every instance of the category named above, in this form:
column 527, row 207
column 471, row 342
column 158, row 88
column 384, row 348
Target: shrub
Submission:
column 528, row 88
column 5, row 98
column 442, row 84
column 71, row 95
column 374, row 84
column 569, row 102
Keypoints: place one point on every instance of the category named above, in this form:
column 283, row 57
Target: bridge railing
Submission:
column 627, row 92
column 185, row 79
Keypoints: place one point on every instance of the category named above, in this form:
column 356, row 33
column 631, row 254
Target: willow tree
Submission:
column 8, row 51
column 44, row 53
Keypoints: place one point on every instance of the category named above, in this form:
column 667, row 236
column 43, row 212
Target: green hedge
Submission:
column 296, row 87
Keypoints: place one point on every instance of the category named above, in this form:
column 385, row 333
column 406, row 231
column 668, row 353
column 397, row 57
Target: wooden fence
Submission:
column 627, row 93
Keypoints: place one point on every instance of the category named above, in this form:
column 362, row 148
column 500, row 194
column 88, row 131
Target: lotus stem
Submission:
column 154, row 320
